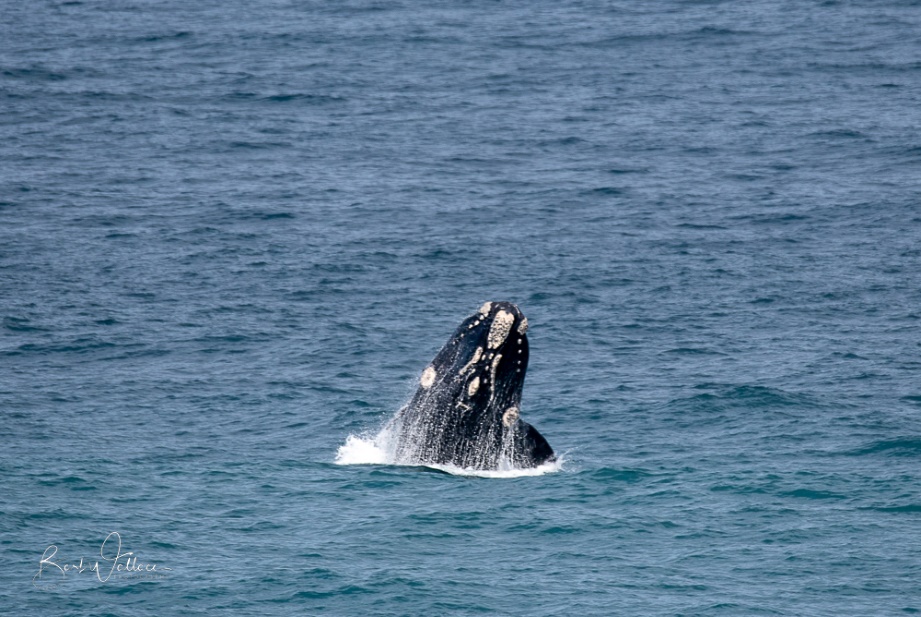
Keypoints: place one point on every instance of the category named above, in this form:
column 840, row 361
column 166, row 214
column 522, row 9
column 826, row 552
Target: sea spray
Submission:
column 366, row 449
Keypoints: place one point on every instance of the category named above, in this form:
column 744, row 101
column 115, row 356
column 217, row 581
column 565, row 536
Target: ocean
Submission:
column 233, row 234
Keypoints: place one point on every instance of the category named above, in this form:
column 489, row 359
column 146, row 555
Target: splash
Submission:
column 359, row 450
column 378, row 450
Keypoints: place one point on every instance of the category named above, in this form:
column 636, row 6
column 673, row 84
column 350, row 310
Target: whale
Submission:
column 466, row 410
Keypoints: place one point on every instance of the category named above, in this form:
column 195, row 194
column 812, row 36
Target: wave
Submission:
column 903, row 446
column 375, row 450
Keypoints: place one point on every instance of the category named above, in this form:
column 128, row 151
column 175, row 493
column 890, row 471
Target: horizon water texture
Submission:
column 233, row 234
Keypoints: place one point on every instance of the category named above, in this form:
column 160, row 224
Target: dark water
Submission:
column 233, row 234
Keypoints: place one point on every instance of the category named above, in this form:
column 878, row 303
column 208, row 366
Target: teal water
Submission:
column 233, row 234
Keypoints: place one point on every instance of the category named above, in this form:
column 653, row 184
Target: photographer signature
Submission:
column 112, row 561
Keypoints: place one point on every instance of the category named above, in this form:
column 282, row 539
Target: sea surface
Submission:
column 232, row 234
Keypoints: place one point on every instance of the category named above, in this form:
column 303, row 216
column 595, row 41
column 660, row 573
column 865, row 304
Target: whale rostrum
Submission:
column 466, row 410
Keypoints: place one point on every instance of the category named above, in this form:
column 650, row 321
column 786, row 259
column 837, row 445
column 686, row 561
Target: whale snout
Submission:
column 493, row 308
column 493, row 325
column 493, row 350
column 506, row 320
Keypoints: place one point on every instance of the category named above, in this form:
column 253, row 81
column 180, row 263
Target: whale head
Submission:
column 466, row 409
column 487, row 356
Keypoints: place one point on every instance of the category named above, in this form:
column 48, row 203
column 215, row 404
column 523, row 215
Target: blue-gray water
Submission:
column 233, row 233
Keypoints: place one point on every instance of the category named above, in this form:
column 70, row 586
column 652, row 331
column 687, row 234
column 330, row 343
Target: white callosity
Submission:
column 510, row 416
column 484, row 310
column 523, row 326
column 428, row 378
column 494, row 368
column 498, row 331
column 474, row 386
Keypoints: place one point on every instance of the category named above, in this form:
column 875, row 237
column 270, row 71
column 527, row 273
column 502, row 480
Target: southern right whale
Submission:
column 466, row 410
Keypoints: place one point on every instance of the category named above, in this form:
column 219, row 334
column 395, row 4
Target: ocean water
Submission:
column 232, row 234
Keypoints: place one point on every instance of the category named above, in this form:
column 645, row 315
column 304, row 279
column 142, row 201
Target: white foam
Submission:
column 361, row 451
column 509, row 472
column 366, row 450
